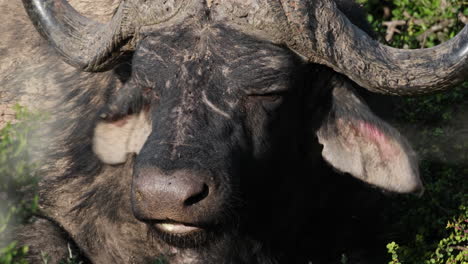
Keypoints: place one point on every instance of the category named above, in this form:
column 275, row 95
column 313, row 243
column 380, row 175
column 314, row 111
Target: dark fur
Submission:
column 270, row 214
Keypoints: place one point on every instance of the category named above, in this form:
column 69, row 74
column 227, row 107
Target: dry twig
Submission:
column 392, row 28
column 435, row 28
column 463, row 18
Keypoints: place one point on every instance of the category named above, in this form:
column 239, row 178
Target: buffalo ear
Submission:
column 112, row 141
column 357, row 142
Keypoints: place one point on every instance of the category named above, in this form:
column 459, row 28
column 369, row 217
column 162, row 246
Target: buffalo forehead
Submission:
column 240, row 62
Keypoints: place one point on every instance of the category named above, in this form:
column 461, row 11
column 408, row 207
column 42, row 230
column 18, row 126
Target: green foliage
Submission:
column 450, row 250
column 12, row 254
column 71, row 259
column 16, row 163
column 17, row 181
column 428, row 22
column 393, row 250
column 440, row 139
column 454, row 248
column 160, row 260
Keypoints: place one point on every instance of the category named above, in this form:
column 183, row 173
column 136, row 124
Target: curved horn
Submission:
column 326, row 36
column 93, row 46
column 85, row 44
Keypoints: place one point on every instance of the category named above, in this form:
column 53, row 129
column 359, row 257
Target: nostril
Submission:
column 197, row 197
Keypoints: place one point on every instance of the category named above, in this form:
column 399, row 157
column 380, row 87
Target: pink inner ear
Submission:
column 371, row 133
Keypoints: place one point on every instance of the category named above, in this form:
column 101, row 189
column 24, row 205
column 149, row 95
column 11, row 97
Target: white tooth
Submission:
column 177, row 228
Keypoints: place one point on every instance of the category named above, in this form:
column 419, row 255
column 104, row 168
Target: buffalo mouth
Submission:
column 182, row 235
column 176, row 228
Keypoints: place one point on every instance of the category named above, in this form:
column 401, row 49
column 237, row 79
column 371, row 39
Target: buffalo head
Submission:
column 223, row 103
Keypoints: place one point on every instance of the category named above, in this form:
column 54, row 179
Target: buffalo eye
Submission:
column 269, row 102
column 128, row 101
column 271, row 98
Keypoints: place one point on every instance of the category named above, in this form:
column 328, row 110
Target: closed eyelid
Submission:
column 277, row 89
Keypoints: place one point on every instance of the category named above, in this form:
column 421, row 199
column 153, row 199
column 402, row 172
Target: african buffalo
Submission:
column 194, row 130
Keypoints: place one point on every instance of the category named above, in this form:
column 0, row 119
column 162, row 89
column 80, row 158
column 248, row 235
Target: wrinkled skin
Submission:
column 223, row 109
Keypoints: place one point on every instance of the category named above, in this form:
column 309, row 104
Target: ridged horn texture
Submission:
column 323, row 34
column 90, row 45
column 317, row 29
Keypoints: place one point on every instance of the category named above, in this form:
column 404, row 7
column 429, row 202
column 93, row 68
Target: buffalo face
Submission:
column 223, row 125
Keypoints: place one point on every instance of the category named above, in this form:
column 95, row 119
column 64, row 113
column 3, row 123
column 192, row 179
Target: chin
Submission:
column 183, row 236
column 195, row 245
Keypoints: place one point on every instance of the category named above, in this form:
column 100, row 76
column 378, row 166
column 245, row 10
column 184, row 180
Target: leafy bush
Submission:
column 451, row 250
column 419, row 23
column 17, row 181
column 437, row 130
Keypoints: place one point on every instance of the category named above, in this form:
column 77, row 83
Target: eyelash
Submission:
column 270, row 97
column 269, row 102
